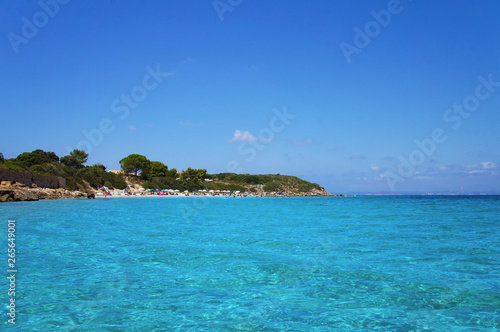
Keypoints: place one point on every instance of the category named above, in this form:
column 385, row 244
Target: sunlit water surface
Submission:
column 386, row 263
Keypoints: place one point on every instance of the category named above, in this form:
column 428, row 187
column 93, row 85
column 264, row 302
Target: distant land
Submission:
column 43, row 175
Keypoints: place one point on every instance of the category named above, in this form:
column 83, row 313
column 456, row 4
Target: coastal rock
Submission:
column 11, row 195
column 317, row 192
column 6, row 195
column 89, row 190
column 25, row 193
column 47, row 194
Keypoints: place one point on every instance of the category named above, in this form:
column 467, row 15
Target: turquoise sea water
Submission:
column 385, row 263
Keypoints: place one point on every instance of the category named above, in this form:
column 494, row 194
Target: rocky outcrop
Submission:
column 13, row 192
column 317, row 192
column 89, row 190
column 13, row 195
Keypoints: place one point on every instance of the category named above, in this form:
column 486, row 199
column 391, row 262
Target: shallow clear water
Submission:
column 388, row 263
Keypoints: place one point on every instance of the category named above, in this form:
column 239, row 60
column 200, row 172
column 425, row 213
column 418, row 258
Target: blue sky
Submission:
column 335, row 92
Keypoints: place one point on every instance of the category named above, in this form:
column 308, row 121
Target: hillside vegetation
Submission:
column 73, row 170
column 268, row 182
column 138, row 170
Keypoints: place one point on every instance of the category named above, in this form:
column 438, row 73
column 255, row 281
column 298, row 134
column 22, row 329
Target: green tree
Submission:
column 157, row 170
column 97, row 177
column 1, row 157
column 37, row 157
column 172, row 173
column 134, row 163
column 193, row 175
column 100, row 167
column 76, row 158
column 202, row 174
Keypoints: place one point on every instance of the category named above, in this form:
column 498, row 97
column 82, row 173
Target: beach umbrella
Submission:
column 186, row 191
column 104, row 188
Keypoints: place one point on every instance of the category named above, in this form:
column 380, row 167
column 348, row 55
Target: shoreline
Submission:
column 138, row 191
column 18, row 192
column 122, row 194
column 213, row 196
column 12, row 191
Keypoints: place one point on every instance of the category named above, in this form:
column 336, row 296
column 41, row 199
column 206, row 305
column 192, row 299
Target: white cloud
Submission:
column 476, row 172
column 488, row 165
column 131, row 127
column 375, row 168
column 243, row 136
column 480, row 168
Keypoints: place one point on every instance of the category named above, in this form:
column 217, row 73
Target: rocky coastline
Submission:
column 11, row 191
column 312, row 193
